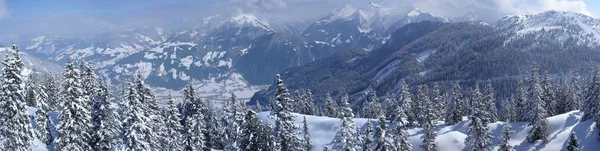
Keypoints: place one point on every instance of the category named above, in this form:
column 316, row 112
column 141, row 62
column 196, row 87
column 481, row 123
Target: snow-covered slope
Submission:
column 554, row 25
column 451, row 137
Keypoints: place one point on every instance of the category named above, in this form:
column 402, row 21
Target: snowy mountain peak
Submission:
column 248, row 19
column 415, row 12
column 339, row 13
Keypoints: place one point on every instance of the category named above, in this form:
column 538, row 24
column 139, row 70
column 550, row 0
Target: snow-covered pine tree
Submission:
column 330, row 106
column 306, row 143
column 429, row 136
column 74, row 117
column 521, row 102
column 309, row 106
column 214, row 127
column 489, row 111
column 407, row 104
column 382, row 137
column 52, row 90
column 136, row 128
column 537, row 114
column 575, row 95
column 285, row 128
column 505, row 139
column 233, row 118
column 372, row 107
column 562, row 91
column 428, row 123
column 478, row 138
column 423, row 105
column 401, row 140
column 173, row 127
column 107, row 134
column 549, row 96
column 44, row 124
column 508, row 110
column 533, row 80
column 346, row 136
column 30, row 88
column 16, row 126
column 152, row 111
column 367, row 137
column 389, row 105
column 573, row 143
column 438, row 102
column 194, row 135
column 454, row 106
column 299, row 104
column 250, row 138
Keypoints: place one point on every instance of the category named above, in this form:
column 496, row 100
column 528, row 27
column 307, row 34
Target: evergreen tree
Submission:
column 390, row 106
column 194, row 136
column 234, row 117
column 407, row 104
column 428, row 121
column 52, row 90
column 306, row 141
column 521, row 102
column 43, row 122
column 438, row 102
column 106, row 134
column 508, row 110
column 285, row 128
column 573, row 143
column 478, row 138
column 31, row 96
column 538, row 115
column 367, row 137
column 137, row 131
column 251, row 133
column 330, row 106
column 429, row 137
column 150, row 110
column 372, row 107
column 423, row 105
column 173, row 126
column 309, row 106
column 575, row 95
column 505, row 140
column 383, row 138
column 490, row 113
column 16, row 126
column 454, row 106
column 549, row 95
column 346, row 136
column 401, row 140
column 73, row 126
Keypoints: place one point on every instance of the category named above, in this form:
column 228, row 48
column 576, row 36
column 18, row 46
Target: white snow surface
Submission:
column 452, row 137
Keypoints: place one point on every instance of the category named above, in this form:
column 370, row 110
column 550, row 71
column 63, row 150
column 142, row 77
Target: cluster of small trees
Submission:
column 535, row 100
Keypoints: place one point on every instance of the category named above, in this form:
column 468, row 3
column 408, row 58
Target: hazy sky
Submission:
column 94, row 16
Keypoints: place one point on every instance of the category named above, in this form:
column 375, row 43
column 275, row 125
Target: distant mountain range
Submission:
column 221, row 45
column 464, row 52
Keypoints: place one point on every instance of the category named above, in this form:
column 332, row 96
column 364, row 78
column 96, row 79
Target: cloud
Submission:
column 3, row 9
column 494, row 9
column 263, row 6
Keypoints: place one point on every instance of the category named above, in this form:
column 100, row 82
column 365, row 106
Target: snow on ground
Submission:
column 423, row 55
column 451, row 137
column 215, row 90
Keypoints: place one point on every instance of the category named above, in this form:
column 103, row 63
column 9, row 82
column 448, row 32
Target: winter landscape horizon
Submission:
column 300, row 75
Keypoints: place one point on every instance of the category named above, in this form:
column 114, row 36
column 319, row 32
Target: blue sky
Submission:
column 87, row 16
